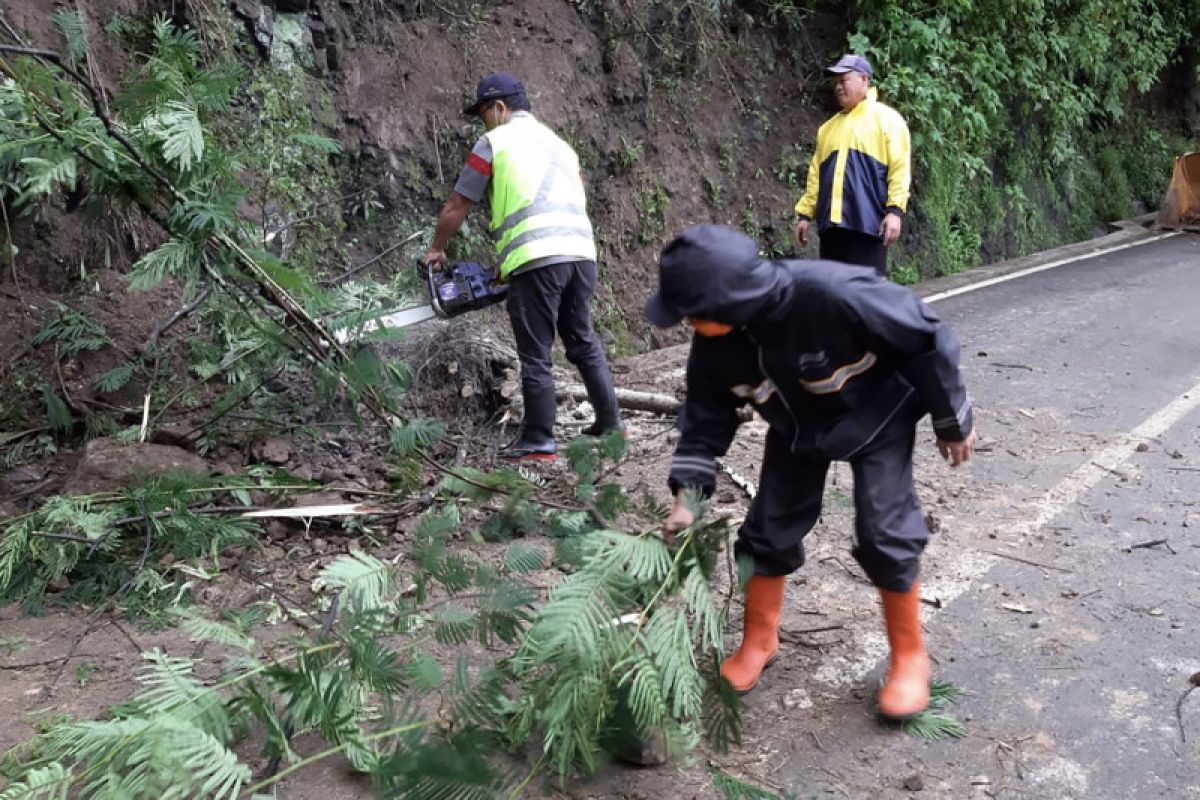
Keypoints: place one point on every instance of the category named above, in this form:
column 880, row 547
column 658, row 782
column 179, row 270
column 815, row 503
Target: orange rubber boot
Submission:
column 905, row 692
column 760, row 632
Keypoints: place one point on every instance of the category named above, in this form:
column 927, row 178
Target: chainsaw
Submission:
column 463, row 287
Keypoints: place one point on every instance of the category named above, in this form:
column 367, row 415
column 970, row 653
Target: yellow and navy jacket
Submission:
column 832, row 357
column 860, row 170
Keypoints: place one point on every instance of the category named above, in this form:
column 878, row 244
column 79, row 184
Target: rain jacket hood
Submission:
column 715, row 273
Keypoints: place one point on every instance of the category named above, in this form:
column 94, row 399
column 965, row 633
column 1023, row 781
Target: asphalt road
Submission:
column 1086, row 380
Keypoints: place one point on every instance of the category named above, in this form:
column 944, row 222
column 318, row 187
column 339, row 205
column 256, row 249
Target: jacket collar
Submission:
column 872, row 96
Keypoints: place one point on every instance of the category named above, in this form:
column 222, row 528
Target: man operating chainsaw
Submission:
column 841, row 364
column 545, row 250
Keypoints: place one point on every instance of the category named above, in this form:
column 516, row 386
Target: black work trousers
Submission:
column 541, row 301
column 853, row 247
column 889, row 527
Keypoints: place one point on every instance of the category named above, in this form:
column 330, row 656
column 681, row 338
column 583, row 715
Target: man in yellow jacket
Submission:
column 546, row 253
column 858, row 179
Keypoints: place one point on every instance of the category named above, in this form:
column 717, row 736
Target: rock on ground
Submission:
column 109, row 465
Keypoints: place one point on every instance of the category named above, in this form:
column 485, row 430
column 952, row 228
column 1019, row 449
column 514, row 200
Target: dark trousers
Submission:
column 540, row 302
column 853, row 247
column 889, row 527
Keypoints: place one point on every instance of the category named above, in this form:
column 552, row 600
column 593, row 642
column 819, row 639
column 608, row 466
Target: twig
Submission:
column 145, row 419
column 745, row 484
column 65, row 537
column 8, row 253
column 819, row 629
column 437, row 150
column 108, row 604
column 48, row 661
column 1010, row 366
column 137, row 648
column 355, row 270
column 1151, row 543
column 166, row 324
column 1030, row 562
column 1195, row 681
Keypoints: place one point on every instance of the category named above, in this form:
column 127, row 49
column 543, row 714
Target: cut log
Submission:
column 629, row 399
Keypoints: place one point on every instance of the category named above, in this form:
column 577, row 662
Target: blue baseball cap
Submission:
column 497, row 86
column 851, row 63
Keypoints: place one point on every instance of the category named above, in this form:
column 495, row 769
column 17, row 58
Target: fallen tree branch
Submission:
column 109, row 604
column 166, row 324
column 355, row 270
column 745, row 484
column 1194, row 681
column 303, row 333
column 1030, row 562
column 629, row 399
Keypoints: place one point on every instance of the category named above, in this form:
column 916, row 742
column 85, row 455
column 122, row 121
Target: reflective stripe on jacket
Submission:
column 835, row 357
column 860, row 169
column 539, row 209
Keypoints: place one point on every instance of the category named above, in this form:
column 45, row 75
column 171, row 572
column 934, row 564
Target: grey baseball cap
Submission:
column 851, row 63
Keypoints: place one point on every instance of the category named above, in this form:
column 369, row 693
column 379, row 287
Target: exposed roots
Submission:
column 458, row 371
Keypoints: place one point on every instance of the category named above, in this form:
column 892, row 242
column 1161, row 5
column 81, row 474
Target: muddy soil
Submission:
column 831, row 609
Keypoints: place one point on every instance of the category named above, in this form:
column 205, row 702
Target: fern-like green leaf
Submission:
column 322, row 143
column 163, row 754
column 706, row 618
column 646, row 560
column 722, row 709
column 931, row 724
column 943, row 693
column 42, row 175
column 115, row 378
column 430, row 536
column 170, row 686
column 452, row 625
column 71, row 23
column 423, row 673
column 51, row 782
column 57, row 413
column 177, row 126
column 644, row 691
column 201, row 629
column 669, row 644
column 416, row 434
column 362, row 580
column 173, row 257
column 574, row 621
column 737, row 789
column 523, row 557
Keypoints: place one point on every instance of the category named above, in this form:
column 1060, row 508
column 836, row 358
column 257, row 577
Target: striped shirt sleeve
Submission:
column 477, row 172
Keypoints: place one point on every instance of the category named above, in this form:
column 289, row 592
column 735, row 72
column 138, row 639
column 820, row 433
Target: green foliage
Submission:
column 71, row 24
column 72, row 333
column 792, row 171
column 651, row 201
column 633, row 630
column 103, row 544
column 630, row 152
column 57, row 413
column 990, row 87
column 737, row 789
column 934, row 723
column 115, row 378
column 12, row 643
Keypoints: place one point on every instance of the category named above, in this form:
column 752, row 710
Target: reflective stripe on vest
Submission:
column 539, row 208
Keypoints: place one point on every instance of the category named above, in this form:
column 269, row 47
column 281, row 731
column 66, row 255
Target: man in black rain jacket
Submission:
column 841, row 364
